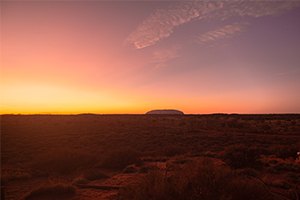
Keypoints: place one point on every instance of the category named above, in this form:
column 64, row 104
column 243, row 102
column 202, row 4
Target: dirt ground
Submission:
column 41, row 150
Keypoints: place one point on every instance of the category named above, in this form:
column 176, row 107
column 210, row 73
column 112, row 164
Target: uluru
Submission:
column 166, row 112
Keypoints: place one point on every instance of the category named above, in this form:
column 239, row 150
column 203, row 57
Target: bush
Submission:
column 63, row 161
column 265, row 127
column 173, row 150
column 294, row 193
column 291, row 167
column 241, row 156
column 281, row 184
column 47, row 190
column 292, row 177
column 203, row 181
column 80, row 180
column 286, row 151
column 248, row 172
column 148, row 159
column 232, row 123
column 94, row 174
column 7, row 176
column 119, row 159
column 129, row 170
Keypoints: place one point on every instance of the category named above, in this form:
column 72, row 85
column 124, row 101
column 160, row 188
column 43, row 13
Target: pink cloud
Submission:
column 228, row 31
column 288, row 72
column 163, row 55
column 162, row 22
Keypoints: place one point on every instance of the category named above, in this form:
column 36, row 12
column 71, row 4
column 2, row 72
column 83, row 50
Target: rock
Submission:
column 166, row 112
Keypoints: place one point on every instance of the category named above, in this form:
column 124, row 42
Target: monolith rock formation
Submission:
column 166, row 112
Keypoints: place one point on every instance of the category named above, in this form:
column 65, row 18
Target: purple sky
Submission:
column 131, row 57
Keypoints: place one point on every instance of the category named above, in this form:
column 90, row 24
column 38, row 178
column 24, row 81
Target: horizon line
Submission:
column 287, row 113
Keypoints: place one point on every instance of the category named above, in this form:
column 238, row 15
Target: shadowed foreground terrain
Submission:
column 86, row 156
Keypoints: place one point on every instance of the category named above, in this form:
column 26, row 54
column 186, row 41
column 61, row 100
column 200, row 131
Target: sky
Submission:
column 129, row 57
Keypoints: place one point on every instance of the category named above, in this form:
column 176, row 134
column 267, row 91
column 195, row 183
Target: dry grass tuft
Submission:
column 80, row 180
column 48, row 190
column 241, row 156
column 281, row 184
column 292, row 177
column 173, row 150
column 291, row 167
column 204, row 181
column 94, row 174
column 63, row 161
column 120, row 158
column 7, row 176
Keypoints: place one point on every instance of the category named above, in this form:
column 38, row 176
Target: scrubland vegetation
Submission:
column 204, row 156
column 202, row 180
column 47, row 190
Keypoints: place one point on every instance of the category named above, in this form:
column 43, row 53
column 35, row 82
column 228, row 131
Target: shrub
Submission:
column 63, row 161
column 273, row 162
column 2, row 192
column 129, row 170
column 287, row 167
column 273, row 171
column 147, row 169
column 281, row 184
column 204, row 181
column 47, row 190
column 241, row 156
column 294, row 193
column 232, row 123
column 148, row 159
column 265, row 127
column 119, row 159
column 173, row 150
column 286, row 151
column 248, row 172
column 94, row 174
column 7, row 176
column 80, row 180
column 292, row 177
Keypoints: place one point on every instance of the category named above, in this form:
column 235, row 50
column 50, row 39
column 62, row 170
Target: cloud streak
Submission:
column 288, row 72
column 161, row 23
column 228, row 31
column 160, row 57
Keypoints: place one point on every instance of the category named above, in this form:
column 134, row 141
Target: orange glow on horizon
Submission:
column 107, row 57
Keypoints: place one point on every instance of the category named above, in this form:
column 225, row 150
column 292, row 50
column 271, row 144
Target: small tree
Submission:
column 241, row 156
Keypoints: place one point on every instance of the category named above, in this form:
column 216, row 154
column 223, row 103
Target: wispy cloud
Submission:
column 258, row 8
column 288, row 72
column 161, row 23
column 160, row 57
column 228, row 31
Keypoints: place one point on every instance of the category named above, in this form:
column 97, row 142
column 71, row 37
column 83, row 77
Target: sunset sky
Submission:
column 70, row 57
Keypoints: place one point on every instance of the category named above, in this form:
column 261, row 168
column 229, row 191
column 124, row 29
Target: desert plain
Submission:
column 88, row 156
